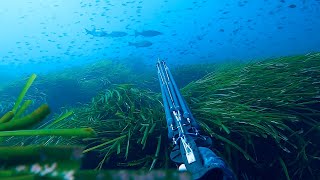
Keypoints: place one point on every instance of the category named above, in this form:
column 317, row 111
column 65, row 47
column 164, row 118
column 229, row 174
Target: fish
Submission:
column 96, row 33
column 117, row 34
column 148, row 33
column 100, row 33
column 140, row 44
column 292, row 6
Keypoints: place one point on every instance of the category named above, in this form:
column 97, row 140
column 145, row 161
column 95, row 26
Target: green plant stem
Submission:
column 7, row 117
column 23, row 92
column 62, row 117
column 31, row 119
column 103, row 144
column 82, row 132
column 23, row 108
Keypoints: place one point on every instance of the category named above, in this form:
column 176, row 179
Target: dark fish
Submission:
column 117, row 34
column 292, row 6
column 96, row 33
column 100, row 33
column 140, row 44
column 148, row 33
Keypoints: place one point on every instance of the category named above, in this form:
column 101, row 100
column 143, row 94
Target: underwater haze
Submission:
column 42, row 36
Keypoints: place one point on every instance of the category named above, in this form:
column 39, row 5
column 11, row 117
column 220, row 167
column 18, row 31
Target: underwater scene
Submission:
column 160, row 89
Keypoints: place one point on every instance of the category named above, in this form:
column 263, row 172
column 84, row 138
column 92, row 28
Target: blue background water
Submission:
column 41, row 36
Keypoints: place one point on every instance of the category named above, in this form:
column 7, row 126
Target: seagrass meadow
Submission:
column 263, row 117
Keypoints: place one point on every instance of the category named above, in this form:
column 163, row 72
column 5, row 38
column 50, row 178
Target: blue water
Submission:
column 44, row 36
